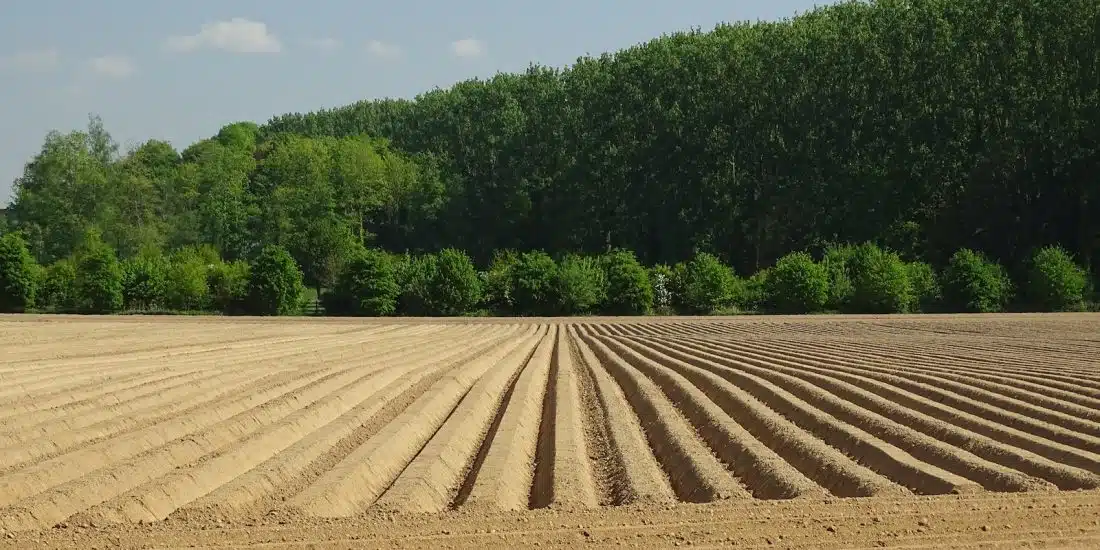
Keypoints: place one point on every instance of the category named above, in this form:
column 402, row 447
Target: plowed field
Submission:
column 808, row 432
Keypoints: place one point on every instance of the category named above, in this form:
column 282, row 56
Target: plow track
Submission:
column 196, row 423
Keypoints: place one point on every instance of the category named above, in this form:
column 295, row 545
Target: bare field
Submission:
column 800, row 432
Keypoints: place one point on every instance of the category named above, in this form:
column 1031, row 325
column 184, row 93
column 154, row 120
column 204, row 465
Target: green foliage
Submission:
column 708, row 285
column 754, row 292
column 691, row 141
column 144, row 282
column 98, row 277
column 227, row 284
column 274, row 283
column 18, row 271
column 926, row 287
column 1055, row 282
column 797, row 284
column 629, row 291
column 580, row 285
column 974, row 284
column 57, row 290
column 366, row 287
column 533, row 284
column 496, row 282
column 414, row 275
column 836, row 264
column 880, row 281
column 186, row 285
column 664, row 289
column 454, row 286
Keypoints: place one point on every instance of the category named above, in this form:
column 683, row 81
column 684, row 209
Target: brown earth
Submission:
column 772, row 432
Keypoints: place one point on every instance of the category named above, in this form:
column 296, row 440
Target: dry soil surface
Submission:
column 771, row 432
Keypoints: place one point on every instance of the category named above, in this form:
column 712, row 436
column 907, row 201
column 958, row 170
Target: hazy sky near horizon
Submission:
column 180, row 72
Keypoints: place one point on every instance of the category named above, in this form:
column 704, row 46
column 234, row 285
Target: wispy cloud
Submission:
column 31, row 60
column 236, row 35
column 113, row 66
column 468, row 47
column 383, row 50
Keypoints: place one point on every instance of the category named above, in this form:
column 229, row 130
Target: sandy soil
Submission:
column 776, row 432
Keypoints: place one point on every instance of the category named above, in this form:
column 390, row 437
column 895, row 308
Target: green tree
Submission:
column 228, row 286
column 58, row 290
column 186, row 287
column 1055, row 281
column 974, row 284
column 708, row 284
column 580, row 285
column 533, row 284
column 797, row 284
column 629, row 290
column 274, row 283
column 17, row 275
column 367, row 286
column 453, row 286
column 927, row 293
column 880, row 281
column 98, row 282
column 144, row 282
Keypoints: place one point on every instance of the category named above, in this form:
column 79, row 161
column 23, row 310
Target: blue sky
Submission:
column 180, row 71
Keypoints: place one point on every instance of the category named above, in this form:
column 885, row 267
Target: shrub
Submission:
column 880, row 281
column 17, row 275
column 1055, row 282
column 453, row 286
column 629, row 290
column 144, row 281
column 366, row 286
column 186, row 287
column 580, row 285
column 414, row 275
column 797, row 284
column 676, row 286
column 754, row 292
column 496, row 282
column 926, row 287
column 98, row 277
column 708, row 284
column 662, row 276
column 227, row 285
column 57, row 289
column 973, row 284
column 836, row 262
column 274, row 283
column 533, row 285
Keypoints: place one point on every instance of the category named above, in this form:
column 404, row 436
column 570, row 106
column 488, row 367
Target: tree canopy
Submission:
column 924, row 126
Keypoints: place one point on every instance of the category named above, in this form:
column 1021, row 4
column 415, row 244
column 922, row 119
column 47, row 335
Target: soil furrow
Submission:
column 927, row 468
column 643, row 480
column 158, row 498
column 571, row 484
column 359, row 479
column 694, row 472
column 979, row 424
column 817, row 461
column 908, row 409
column 284, row 475
column 504, row 480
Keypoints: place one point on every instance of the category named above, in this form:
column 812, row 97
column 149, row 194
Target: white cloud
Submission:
column 468, row 47
column 237, row 35
column 114, row 66
column 326, row 44
column 381, row 49
column 36, row 60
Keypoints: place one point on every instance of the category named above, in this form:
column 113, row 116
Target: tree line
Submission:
column 371, row 282
column 925, row 128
